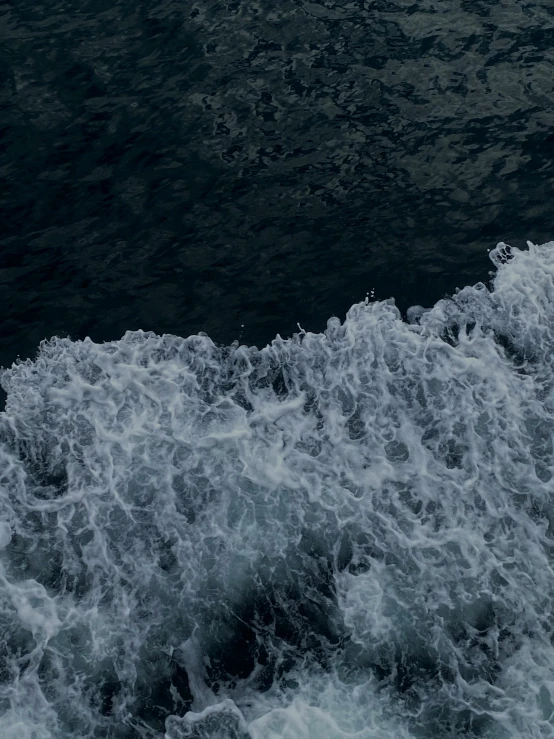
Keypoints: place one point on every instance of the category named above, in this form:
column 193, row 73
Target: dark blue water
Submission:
column 241, row 167
column 212, row 533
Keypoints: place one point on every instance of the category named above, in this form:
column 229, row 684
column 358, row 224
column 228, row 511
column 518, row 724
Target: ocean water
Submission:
column 343, row 534
column 264, row 531
column 239, row 167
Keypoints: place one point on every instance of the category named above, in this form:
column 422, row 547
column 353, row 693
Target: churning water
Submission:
column 346, row 534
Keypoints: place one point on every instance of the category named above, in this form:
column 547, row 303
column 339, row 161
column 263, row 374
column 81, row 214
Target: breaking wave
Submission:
column 346, row 534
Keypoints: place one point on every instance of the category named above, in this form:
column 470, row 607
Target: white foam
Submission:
column 5, row 534
column 351, row 531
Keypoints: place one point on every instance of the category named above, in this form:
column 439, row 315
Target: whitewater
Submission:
column 345, row 534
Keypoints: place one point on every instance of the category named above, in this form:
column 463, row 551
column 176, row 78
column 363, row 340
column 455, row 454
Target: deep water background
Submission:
column 242, row 167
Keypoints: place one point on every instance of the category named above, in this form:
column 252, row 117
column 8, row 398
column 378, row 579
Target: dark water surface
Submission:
column 239, row 167
column 348, row 533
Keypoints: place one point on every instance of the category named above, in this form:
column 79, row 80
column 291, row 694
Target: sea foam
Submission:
column 346, row 534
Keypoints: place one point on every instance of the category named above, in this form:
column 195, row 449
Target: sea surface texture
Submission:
column 344, row 534
column 242, row 166
column 225, row 513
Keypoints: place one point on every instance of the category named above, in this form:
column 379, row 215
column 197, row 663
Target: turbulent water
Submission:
column 346, row 534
